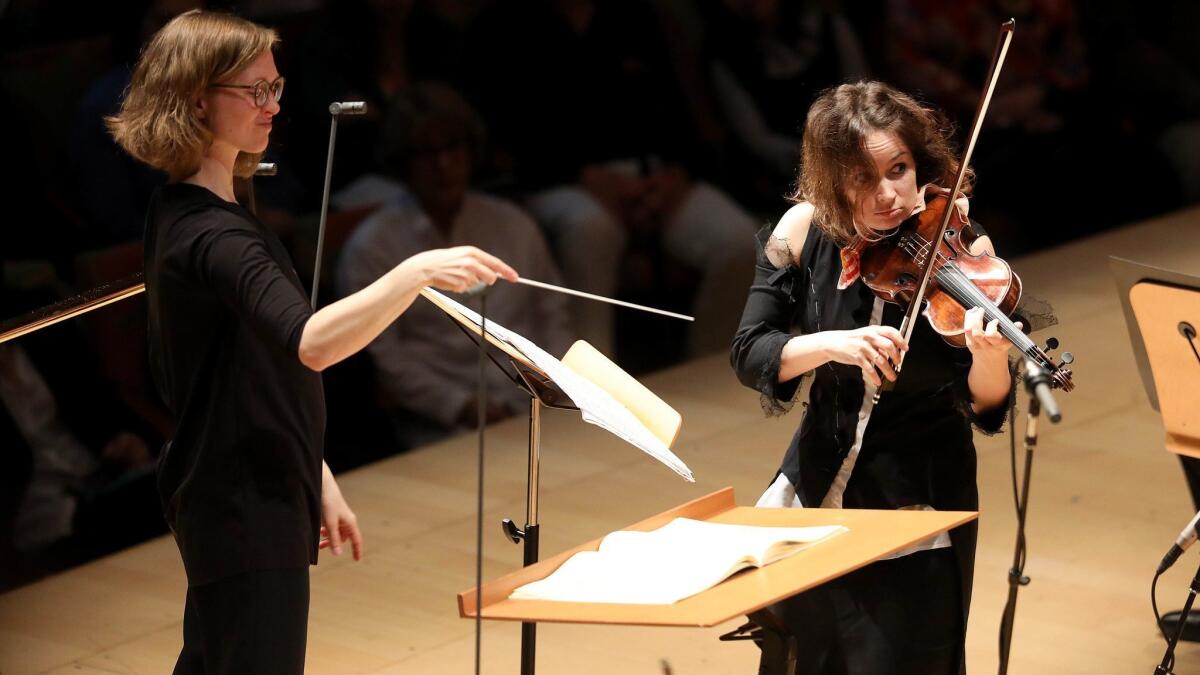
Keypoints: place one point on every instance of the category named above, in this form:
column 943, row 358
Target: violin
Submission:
column 892, row 269
column 927, row 266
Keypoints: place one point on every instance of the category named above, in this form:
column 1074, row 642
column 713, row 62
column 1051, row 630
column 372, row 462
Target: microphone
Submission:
column 1186, row 538
column 1037, row 380
column 348, row 108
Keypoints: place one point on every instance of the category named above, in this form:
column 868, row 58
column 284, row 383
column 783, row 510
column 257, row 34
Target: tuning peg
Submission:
column 1067, row 359
column 1051, row 344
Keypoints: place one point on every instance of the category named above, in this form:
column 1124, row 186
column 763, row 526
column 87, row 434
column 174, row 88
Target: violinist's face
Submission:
column 884, row 200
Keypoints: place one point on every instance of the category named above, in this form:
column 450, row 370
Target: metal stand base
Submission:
column 1016, row 573
column 778, row 645
column 1166, row 667
column 542, row 393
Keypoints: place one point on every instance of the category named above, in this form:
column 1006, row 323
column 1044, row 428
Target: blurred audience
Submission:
column 370, row 51
column 78, row 465
column 583, row 103
column 624, row 126
column 426, row 368
column 940, row 49
column 355, row 50
column 1147, row 58
column 768, row 60
column 113, row 189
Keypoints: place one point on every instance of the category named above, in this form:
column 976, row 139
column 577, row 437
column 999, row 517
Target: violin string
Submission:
column 953, row 278
column 954, row 274
column 962, row 289
column 922, row 250
column 919, row 254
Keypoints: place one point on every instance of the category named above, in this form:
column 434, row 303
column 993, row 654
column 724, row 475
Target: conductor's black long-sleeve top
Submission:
column 240, row 482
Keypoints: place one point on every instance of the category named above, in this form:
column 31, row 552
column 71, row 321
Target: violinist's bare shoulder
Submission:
column 787, row 239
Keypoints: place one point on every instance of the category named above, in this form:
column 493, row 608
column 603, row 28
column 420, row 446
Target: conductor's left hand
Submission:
column 338, row 522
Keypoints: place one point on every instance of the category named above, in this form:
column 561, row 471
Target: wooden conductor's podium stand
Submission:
column 871, row 535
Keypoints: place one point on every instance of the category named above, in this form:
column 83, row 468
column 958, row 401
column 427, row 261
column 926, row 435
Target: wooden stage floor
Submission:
column 1106, row 502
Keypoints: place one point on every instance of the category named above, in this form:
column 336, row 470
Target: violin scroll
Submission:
column 1060, row 375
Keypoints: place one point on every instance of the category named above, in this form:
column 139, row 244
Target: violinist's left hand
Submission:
column 985, row 342
column 989, row 379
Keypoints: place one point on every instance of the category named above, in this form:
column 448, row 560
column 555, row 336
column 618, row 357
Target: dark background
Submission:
column 1096, row 123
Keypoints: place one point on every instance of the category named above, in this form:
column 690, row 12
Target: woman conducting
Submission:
column 871, row 156
column 237, row 351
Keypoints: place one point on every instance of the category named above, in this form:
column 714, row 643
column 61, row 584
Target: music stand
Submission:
column 660, row 419
column 1161, row 308
column 871, row 535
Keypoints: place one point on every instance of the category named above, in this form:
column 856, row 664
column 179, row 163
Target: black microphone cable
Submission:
column 1157, row 617
column 1189, row 333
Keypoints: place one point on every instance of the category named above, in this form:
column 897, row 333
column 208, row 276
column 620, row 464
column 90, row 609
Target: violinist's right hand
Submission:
column 874, row 349
column 459, row 268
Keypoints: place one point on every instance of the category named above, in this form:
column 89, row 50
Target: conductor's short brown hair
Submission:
column 157, row 122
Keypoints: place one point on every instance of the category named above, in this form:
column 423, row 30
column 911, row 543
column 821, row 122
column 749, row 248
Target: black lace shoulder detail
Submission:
column 777, row 257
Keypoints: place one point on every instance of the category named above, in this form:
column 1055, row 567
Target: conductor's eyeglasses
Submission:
column 260, row 89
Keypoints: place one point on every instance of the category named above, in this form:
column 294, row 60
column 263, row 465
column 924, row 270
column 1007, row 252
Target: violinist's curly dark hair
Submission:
column 833, row 149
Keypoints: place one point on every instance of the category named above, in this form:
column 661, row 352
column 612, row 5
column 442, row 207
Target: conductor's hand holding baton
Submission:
column 460, row 268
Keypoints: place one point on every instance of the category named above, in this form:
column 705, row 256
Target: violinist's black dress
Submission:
column 902, row 615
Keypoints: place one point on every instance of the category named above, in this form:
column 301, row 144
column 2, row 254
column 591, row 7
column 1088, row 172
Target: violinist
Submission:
column 236, row 350
column 870, row 159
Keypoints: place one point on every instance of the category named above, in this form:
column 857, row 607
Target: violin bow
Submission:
column 916, row 304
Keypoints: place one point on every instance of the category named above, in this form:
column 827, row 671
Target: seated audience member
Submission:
column 81, row 482
column 768, row 60
column 1043, row 120
column 370, row 51
column 581, row 97
column 426, row 367
column 113, row 189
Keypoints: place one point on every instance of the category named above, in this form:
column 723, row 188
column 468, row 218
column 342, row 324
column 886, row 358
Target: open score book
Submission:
column 676, row 561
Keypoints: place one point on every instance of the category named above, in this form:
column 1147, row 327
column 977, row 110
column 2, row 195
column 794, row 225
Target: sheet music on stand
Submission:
column 597, row 406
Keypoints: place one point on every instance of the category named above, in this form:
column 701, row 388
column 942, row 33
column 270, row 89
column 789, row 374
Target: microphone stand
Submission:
column 480, row 426
column 1168, row 660
column 1037, row 381
column 263, row 169
column 336, row 110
